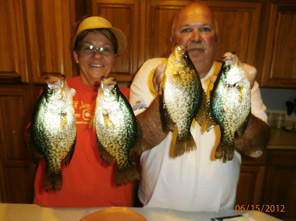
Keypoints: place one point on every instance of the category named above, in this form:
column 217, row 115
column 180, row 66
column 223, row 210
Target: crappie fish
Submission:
column 52, row 133
column 230, row 104
column 116, row 130
column 183, row 98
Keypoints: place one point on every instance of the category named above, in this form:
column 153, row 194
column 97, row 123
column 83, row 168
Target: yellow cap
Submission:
column 95, row 22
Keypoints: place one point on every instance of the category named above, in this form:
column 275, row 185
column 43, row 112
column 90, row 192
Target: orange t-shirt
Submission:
column 88, row 181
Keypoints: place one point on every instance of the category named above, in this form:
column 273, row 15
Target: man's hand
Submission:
column 250, row 70
column 158, row 76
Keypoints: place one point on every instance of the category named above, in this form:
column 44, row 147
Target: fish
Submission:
column 183, row 99
column 230, row 104
column 117, row 131
column 52, row 132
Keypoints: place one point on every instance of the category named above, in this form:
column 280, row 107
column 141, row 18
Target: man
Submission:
column 194, row 181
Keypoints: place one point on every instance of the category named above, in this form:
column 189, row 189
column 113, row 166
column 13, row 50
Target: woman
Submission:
column 88, row 181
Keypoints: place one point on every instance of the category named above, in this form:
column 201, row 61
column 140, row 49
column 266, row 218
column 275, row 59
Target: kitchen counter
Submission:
column 32, row 212
column 281, row 139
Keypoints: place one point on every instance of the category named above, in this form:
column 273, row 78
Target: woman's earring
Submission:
column 77, row 62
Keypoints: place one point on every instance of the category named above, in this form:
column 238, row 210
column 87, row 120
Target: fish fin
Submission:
column 219, row 151
column 241, row 130
column 68, row 158
column 35, row 156
column 229, row 152
column 179, row 148
column 108, row 122
column 183, row 146
column 125, row 175
column 202, row 111
column 92, row 123
column 224, row 152
column 210, row 122
column 190, row 144
column 171, row 125
column 137, row 149
column 52, row 181
column 107, row 157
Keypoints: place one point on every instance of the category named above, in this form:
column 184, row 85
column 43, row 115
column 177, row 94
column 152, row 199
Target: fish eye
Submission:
column 50, row 91
column 113, row 91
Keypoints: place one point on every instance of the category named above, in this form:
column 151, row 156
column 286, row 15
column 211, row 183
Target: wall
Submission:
column 275, row 100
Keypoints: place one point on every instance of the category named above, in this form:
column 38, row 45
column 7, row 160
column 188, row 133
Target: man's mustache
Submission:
column 196, row 45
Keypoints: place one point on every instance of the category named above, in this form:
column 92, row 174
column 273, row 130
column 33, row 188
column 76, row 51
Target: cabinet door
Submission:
column 159, row 17
column 13, row 59
column 16, row 168
column 238, row 24
column 125, row 15
column 280, row 55
column 49, row 31
column 280, row 192
column 250, row 185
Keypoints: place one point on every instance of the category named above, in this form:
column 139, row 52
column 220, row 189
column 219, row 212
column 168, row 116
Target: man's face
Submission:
column 195, row 29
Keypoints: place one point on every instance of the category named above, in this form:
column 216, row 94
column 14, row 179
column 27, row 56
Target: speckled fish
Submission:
column 230, row 104
column 52, row 133
column 116, row 129
column 183, row 98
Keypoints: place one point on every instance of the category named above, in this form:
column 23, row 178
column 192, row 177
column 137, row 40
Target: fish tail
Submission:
column 53, row 181
column 129, row 174
column 183, row 146
column 224, row 152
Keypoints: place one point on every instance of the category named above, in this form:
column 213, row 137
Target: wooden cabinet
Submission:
column 36, row 41
column 280, row 192
column 250, row 185
column 235, row 20
column 147, row 25
column 16, row 168
column 125, row 15
column 269, row 183
column 50, row 30
column 13, row 56
column 279, row 65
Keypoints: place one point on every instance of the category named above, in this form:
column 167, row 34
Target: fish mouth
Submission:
column 108, row 82
column 230, row 57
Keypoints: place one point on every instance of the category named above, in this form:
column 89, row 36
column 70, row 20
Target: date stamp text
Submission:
column 261, row 208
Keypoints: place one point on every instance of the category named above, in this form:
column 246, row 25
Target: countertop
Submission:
column 281, row 139
column 32, row 212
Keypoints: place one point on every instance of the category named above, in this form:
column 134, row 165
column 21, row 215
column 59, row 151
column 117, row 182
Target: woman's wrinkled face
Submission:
column 195, row 29
column 96, row 58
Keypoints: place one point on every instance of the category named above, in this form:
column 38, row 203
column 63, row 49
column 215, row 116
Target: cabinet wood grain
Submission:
column 13, row 57
column 279, row 66
column 16, row 167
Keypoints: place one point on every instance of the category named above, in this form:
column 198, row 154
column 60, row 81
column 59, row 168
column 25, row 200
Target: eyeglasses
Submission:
column 92, row 50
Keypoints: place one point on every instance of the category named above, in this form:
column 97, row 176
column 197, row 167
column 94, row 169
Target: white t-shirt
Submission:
column 194, row 181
